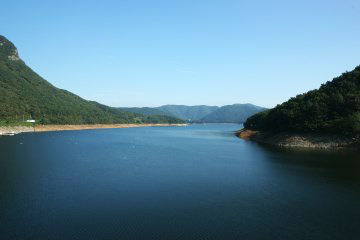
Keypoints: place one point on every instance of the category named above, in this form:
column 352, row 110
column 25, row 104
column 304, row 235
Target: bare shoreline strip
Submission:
column 50, row 128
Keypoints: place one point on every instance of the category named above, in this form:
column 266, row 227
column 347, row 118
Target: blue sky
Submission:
column 150, row 53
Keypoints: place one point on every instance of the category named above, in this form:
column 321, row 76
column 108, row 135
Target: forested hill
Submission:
column 236, row 113
column 333, row 108
column 23, row 93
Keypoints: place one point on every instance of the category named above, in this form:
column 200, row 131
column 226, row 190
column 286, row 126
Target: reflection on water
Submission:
column 196, row 182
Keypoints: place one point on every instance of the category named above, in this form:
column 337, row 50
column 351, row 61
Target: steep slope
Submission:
column 333, row 108
column 25, row 93
column 236, row 113
column 192, row 113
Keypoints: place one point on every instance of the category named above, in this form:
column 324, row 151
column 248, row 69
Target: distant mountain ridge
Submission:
column 145, row 110
column 24, row 94
column 189, row 113
column 192, row 113
column 236, row 113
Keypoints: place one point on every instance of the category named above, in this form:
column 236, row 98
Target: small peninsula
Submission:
column 326, row 118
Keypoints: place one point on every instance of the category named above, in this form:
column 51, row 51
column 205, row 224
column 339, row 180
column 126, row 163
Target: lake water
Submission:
column 196, row 182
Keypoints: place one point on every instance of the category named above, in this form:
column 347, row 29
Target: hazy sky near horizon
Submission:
column 151, row 53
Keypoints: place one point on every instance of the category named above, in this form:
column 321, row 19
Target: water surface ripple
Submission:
column 196, row 182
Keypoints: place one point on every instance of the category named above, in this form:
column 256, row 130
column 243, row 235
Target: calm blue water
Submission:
column 196, row 182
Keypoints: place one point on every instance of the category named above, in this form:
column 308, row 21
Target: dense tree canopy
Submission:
column 333, row 108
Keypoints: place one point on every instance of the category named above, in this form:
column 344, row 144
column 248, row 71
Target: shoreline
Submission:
column 9, row 131
column 314, row 141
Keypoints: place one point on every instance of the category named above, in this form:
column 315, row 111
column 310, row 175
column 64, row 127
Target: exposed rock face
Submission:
column 8, row 50
column 14, row 56
column 296, row 140
column 15, row 130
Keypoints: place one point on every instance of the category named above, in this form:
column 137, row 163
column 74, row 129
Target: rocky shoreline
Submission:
column 9, row 131
column 301, row 141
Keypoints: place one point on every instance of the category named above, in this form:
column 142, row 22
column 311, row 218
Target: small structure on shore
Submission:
column 30, row 121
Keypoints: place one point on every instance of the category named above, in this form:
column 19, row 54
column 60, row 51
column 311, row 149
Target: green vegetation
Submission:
column 24, row 94
column 15, row 123
column 333, row 108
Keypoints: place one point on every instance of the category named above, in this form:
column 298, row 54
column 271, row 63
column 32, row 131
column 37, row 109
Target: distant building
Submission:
column 30, row 121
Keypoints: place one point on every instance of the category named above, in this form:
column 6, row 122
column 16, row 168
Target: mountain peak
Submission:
column 8, row 50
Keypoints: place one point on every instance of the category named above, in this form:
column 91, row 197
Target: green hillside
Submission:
column 23, row 93
column 236, row 113
column 333, row 108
